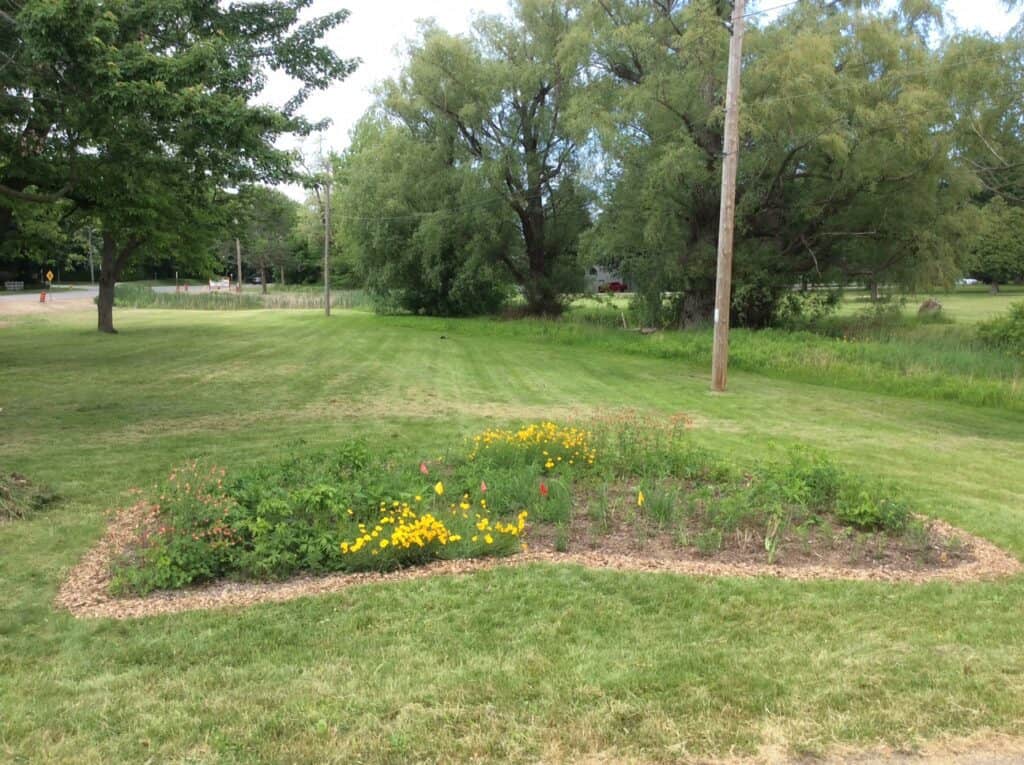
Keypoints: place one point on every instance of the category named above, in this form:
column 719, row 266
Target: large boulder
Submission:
column 930, row 307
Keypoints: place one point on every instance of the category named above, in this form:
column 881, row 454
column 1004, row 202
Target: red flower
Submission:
column 483, row 487
column 543, row 489
column 423, row 468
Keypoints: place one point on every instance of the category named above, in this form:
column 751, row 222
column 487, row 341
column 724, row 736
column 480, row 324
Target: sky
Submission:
column 377, row 32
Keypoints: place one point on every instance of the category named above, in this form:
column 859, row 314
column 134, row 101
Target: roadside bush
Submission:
column 1005, row 332
column 806, row 307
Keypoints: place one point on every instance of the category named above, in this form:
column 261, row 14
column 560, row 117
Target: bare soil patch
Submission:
column 818, row 542
column 62, row 303
column 85, row 592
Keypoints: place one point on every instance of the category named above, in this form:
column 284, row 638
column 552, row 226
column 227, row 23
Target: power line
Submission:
column 770, row 9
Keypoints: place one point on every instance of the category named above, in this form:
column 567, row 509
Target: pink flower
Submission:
column 483, row 486
column 423, row 468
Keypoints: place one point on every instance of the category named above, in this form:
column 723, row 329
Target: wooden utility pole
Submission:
column 327, row 244
column 727, row 214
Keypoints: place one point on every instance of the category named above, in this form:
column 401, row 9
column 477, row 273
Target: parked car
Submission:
column 967, row 281
column 614, row 286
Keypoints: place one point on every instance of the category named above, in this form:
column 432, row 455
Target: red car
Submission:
column 614, row 287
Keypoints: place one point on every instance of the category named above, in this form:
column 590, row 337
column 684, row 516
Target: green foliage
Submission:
column 153, row 114
column 425, row 235
column 844, row 173
column 1006, row 332
column 310, row 512
column 998, row 251
column 492, row 106
column 873, row 509
column 264, row 220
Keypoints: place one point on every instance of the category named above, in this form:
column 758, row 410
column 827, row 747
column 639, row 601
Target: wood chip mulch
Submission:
column 85, row 592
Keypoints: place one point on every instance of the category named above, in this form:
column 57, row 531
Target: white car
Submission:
column 967, row 281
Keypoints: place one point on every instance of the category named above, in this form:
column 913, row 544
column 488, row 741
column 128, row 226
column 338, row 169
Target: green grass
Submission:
column 967, row 305
column 535, row 663
column 136, row 295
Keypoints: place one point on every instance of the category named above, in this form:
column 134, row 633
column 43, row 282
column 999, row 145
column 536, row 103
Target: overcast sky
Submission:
column 377, row 32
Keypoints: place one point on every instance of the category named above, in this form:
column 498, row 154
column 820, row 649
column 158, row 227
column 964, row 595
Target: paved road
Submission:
column 84, row 292
column 78, row 293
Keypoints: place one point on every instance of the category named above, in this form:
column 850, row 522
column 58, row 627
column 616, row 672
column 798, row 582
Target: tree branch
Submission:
column 25, row 196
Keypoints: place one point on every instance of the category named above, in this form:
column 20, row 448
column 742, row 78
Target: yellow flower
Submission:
column 383, row 543
column 439, row 488
column 489, row 539
column 640, row 499
column 419, row 498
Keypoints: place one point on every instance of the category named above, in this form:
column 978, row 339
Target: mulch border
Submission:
column 85, row 591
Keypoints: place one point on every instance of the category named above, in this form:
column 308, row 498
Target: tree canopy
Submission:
column 876, row 147
column 143, row 115
column 866, row 146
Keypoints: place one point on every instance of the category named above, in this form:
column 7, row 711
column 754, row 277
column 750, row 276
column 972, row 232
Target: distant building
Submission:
column 601, row 279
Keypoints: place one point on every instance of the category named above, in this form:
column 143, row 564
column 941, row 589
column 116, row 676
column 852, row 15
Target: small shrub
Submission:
column 873, row 509
column 309, row 513
column 1005, row 332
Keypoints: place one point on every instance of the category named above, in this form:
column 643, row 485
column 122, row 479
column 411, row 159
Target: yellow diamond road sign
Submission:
column 49, row 276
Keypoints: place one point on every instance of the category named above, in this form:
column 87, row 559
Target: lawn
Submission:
column 963, row 304
column 539, row 662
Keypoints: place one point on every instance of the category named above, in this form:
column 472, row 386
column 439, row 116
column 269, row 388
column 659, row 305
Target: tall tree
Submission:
column 266, row 228
column 426, row 234
column 500, row 97
column 846, row 168
column 143, row 114
column 997, row 256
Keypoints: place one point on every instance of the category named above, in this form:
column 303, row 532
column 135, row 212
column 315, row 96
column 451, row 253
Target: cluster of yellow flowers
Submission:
column 553, row 443
column 401, row 527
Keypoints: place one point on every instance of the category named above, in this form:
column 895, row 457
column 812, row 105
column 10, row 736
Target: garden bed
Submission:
column 630, row 494
column 86, row 592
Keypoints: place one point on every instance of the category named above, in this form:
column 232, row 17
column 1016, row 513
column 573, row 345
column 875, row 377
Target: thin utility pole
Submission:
column 238, row 264
column 327, row 243
column 727, row 214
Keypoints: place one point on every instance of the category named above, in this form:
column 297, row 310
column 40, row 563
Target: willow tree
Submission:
column 142, row 115
column 846, row 154
column 501, row 96
column 424, row 233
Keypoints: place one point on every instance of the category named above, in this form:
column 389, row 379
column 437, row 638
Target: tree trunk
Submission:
column 542, row 299
column 112, row 263
column 263, row 279
column 108, row 278
column 873, row 286
column 993, row 288
column 105, row 304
